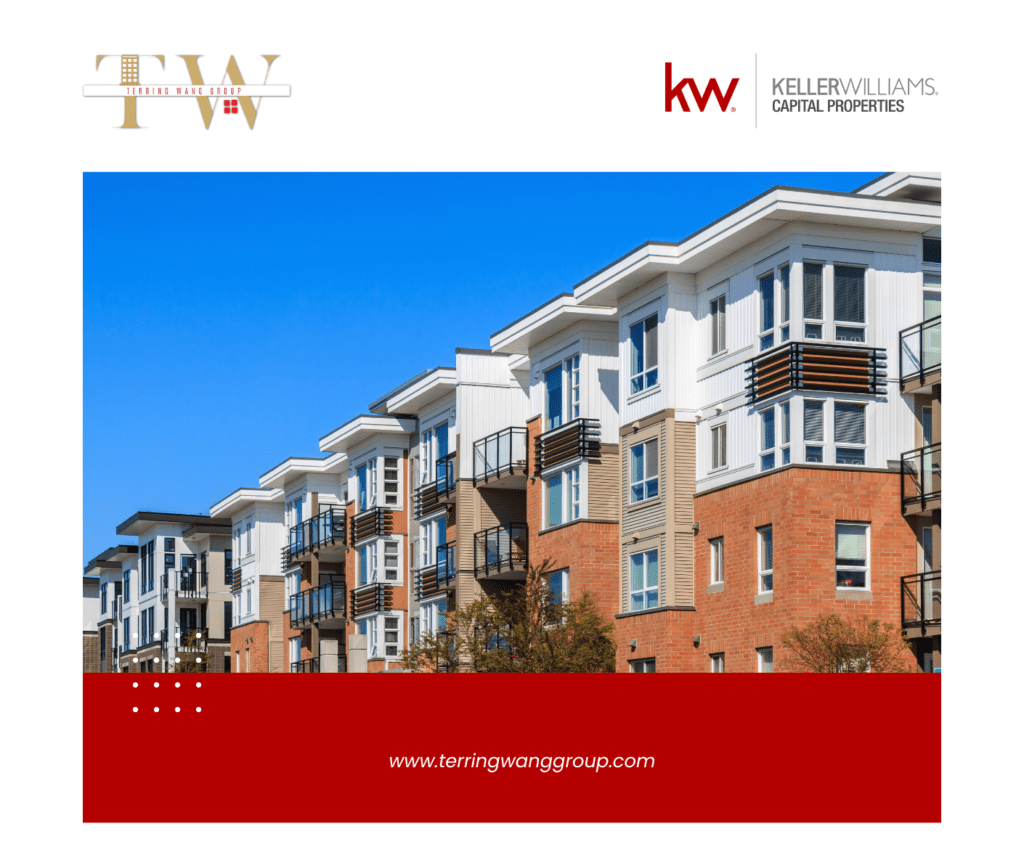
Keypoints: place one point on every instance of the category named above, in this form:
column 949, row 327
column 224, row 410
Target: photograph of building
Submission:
column 719, row 439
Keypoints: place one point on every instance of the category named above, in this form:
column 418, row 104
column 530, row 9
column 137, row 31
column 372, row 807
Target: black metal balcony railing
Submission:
column 369, row 599
column 187, row 584
column 370, row 523
column 921, row 476
column 579, row 438
column 921, row 352
column 503, row 452
column 307, row 665
column 326, row 528
column 326, row 601
column 921, row 600
column 446, row 567
column 817, row 367
column 433, row 494
column 188, row 638
column 504, row 548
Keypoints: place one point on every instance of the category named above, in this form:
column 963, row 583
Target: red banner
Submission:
column 517, row 748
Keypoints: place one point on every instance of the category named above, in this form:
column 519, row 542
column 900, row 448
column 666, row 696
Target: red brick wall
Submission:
column 803, row 506
column 666, row 636
column 259, row 647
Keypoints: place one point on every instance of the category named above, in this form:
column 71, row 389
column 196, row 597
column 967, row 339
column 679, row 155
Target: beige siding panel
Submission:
column 605, row 486
column 685, row 472
column 648, row 515
column 683, row 569
column 467, row 517
column 272, row 610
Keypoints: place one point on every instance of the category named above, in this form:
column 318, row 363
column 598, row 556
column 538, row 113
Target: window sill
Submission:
column 648, row 391
column 764, row 598
column 644, row 503
column 852, row 594
column 716, row 588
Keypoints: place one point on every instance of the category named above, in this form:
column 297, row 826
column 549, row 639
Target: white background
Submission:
column 525, row 86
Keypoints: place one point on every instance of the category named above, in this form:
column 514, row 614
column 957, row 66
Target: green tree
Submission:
column 831, row 644
column 519, row 630
column 192, row 658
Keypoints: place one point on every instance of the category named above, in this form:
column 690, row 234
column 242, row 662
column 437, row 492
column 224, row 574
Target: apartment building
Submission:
column 90, row 621
column 107, row 568
column 718, row 439
column 171, row 607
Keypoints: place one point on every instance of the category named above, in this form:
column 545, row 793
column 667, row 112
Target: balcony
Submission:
column 502, row 552
column 371, row 598
column 187, row 584
column 320, row 533
column 816, row 367
column 318, row 605
column 147, row 639
column 436, row 493
column 500, row 459
column 372, row 522
column 186, row 638
column 921, row 477
column 577, row 439
column 921, row 356
column 921, row 603
column 308, row 665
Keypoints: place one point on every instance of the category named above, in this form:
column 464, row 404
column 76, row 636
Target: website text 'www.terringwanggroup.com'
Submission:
column 542, row 764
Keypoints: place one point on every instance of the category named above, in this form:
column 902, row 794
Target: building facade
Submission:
column 718, row 439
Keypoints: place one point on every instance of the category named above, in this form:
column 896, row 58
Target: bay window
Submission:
column 848, row 290
column 814, row 313
column 563, row 496
column 766, row 291
column 814, row 430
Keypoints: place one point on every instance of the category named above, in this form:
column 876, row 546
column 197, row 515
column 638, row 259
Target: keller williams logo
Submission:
column 234, row 91
column 675, row 93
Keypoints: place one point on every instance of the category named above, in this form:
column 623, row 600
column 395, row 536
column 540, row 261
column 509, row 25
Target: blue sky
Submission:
column 232, row 319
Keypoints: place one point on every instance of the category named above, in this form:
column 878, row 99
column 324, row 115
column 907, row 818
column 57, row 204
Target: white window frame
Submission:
column 784, row 276
column 645, row 386
column 720, row 446
column 292, row 586
column 571, row 391
column 248, row 536
column 836, row 445
column 376, row 558
column 718, row 321
column 378, row 633
column 765, row 659
column 810, row 321
column 397, row 503
column 764, row 451
column 430, row 612
column 766, row 334
column 866, row 569
column 574, row 476
column 782, row 436
column 765, row 572
column 644, row 588
column 294, row 650
column 819, row 444
column 643, row 446
column 838, row 323
column 371, row 484
column 716, row 548
column 645, row 665
column 717, row 662
column 563, row 574
column 429, row 449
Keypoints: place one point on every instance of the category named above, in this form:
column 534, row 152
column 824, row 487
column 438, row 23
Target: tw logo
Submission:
column 672, row 93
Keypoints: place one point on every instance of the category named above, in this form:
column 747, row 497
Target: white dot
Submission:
column 199, row 709
column 135, row 709
column 135, row 661
column 156, row 684
column 135, row 636
column 156, row 708
column 177, row 660
column 199, row 685
column 198, row 660
column 177, row 685
column 177, row 708
column 135, row 685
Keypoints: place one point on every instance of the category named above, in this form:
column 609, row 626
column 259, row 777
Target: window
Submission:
column 366, row 496
column 247, row 659
column 813, row 309
column 168, row 544
column 391, row 633
column 391, row 560
column 366, row 557
column 784, row 327
column 718, row 662
column 126, row 586
column 127, row 633
column 248, row 600
column 432, row 616
column 718, row 325
column 248, row 537
column 228, row 566
column 717, row 547
column 764, row 560
column 933, row 250
column 391, row 492
column 144, row 627
column 146, row 574
column 434, row 449
column 643, row 580
column 644, row 665
column 291, row 587
column 766, row 289
column 643, row 355
column 768, row 439
column 784, row 433
column 563, row 496
column 103, row 599
column 562, row 393
column 643, row 471
column 719, row 458
column 168, row 562
column 814, row 430
column 227, row 621
column 851, row 434
column 295, row 649
column 764, row 660
column 852, row 556
column 848, row 284
column 558, row 586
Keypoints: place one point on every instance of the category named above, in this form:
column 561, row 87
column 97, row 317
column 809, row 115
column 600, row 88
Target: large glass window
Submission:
column 784, row 309
column 643, row 355
column 718, row 447
column 643, row 471
column 643, row 580
column 553, row 396
column 813, row 305
column 848, row 283
column 814, row 430
column 852, row 568
column 768, row 439
column 851, row 433
column 563, row 497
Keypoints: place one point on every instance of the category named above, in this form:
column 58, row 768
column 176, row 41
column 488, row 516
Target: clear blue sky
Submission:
column 231, row 319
